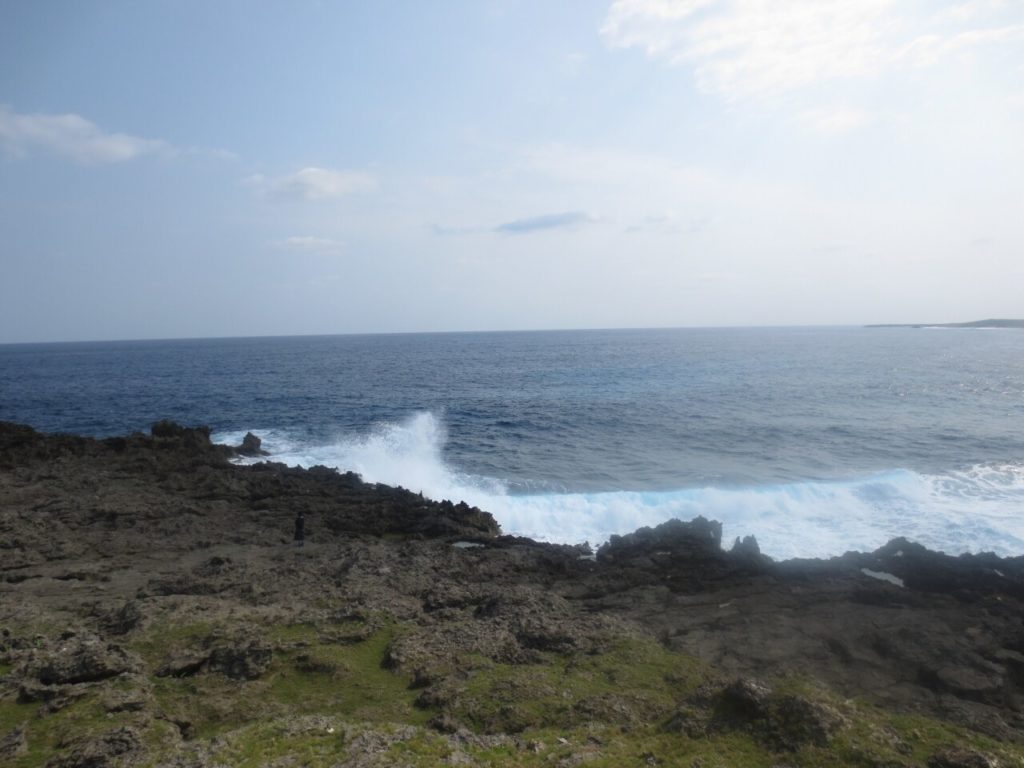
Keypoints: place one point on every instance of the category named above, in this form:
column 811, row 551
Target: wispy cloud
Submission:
column 71, row 136
column 929, row 49
column 564, row 220
column 756, row 49
column 834, row 121
column 314, row 184
column 970, row 9
column 549, row 221
column 308, row 243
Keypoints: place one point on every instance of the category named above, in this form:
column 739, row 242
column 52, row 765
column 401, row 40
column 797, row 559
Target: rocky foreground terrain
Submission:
column 154, row 612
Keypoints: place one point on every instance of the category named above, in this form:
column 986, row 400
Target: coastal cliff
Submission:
column 154, row 610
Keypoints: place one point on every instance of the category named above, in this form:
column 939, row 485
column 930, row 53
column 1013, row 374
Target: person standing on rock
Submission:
column 300, row 530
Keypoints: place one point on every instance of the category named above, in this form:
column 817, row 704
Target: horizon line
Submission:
column 462, row 332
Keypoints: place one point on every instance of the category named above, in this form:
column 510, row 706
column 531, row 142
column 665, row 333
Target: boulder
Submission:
column 251, row 446
column 110, row 749
column 243, row 661
column 123, row 620
column 783, row 723
column 743, row 701
column 82, row 660
column 796, row 721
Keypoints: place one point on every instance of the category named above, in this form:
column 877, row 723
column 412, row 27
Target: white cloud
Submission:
column 746, row 48
column 834, row 121
column 309, row 243
column 927, row 50
column 971, row 9
column 767, row 48
column 314, row 184
column 72, row 136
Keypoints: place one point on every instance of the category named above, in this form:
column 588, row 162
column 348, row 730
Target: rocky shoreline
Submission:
column 154, row 611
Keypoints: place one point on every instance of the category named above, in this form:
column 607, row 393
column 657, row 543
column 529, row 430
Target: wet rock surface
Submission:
column 152, row 582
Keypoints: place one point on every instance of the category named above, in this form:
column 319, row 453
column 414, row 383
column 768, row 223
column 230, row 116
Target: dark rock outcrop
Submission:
column 699, row 539
column 82, row 660
column 109, row 749
column 251, row 446
column 242, row 659
column 783, row 722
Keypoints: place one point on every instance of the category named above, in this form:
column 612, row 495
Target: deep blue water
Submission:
column 814, row 439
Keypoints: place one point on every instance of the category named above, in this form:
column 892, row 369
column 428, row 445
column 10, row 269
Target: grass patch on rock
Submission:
column 307, row 674
column 347, row 680
column 635, row 682
column 46, row 734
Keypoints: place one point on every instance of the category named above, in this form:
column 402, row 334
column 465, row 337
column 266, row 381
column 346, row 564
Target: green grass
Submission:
column 259, row 744
column 345, row 680
column 44, row 734
column 636, row 681
column 601, row 747
column 158, row 643
column 13, row 714
column 305, row 677
column 321, row 701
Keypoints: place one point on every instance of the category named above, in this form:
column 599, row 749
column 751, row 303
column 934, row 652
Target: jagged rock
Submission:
column 13, row 743
column 251, row 446
column 785, row 723
column 83, row 660
column 969, row 577
column 135, row 700
column 796, row 721
column 959, row 757
column 53, row 697
column 123, row 620
column 185, row 665
column 742, row 701
column 106, row 751
column 748, row 549
column 243, row 661
column 699, row 538
column 167, row 429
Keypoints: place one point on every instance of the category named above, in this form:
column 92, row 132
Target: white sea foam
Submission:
column 968, row 511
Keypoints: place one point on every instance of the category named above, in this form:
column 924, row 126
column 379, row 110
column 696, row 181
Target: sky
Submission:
column 186, row 168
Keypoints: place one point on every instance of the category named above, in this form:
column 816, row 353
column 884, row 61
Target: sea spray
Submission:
column 970, row 510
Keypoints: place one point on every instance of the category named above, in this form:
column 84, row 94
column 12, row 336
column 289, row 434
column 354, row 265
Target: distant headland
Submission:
column 972, row 324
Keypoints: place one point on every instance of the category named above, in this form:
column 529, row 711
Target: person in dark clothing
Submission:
column 300, row 530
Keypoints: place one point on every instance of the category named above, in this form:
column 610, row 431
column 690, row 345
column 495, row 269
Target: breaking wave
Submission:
column 972, row 510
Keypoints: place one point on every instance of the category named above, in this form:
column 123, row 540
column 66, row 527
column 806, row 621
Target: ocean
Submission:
column 814, row 440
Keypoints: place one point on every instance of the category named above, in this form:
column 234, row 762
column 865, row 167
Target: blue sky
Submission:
column 180, row 169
